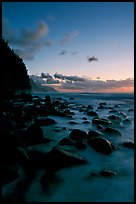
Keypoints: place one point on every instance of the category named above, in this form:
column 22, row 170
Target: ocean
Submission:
column 76, row 184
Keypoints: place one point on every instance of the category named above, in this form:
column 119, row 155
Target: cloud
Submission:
column 70, row 78
column 63, row 52
column 27, row 53
column 49, row 78
column 96, row 85
column 25, row 37
column 46, row 75
column 74, row 53
column 90, row 59
column 26, row 42
column 68, row 37
column 85, row 83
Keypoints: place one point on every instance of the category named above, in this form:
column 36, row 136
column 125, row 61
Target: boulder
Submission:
column 107, row 173
column 114, row 118
column 103, row 104
column 100, row 127
column 111, row 131
column 101, row 107
column 89, row 107
column 113, row 111
column 86, row 122
column 84, row 118
column 72, row 98
column 101, row 145
column 123, row 114
column 93, row 133
column 9, row 173
column 67, row 141
column 101, row 121
column 127, row 121
column 33, row 135
column 130, row 110
column 59, row 158
column 45, row 121
column 81, row 144
column 78, row 135
column 116, row 106
column 73, row 122
column 128, row 144
column 92, row 113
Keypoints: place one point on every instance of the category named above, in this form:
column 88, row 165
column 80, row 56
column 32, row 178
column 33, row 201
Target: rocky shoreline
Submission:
column 22, row 119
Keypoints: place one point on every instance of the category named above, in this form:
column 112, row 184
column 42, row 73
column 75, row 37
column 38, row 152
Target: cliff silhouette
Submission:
column 13, row 72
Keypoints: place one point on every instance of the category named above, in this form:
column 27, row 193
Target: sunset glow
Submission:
column 60, row 37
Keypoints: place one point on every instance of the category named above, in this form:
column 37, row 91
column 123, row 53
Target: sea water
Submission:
column 76, row 183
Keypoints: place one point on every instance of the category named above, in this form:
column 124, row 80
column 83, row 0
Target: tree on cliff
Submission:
column 13, row 72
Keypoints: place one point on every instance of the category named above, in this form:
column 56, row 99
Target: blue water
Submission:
column 76, row 185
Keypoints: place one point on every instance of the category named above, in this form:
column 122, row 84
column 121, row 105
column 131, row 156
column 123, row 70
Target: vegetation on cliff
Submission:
column 14, row 75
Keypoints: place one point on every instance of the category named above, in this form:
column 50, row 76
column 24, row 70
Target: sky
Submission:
column 59, row 37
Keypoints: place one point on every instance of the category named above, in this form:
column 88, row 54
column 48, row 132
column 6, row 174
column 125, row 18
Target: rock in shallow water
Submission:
column 114, row 118
column 93, row 133
column 101, row 145
column 59, row 158
column 78, row 134
column 128, row 144
column 111, row 131
column 92, row 113
column 45, row 122
column 127, row 121
column 101, row 121
column 107, row 173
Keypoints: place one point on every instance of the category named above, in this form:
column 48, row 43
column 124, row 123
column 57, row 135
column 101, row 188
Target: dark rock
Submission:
column 84, row 118
column 101, row 108
column 78, row 134
column 86, row 122
column 45, row 122
column 67, row 141
column 123, row 114
column 103, row 104
column 100, row 127
column 101, row 145
column 111, row 131
column 26, row 97
column 89, row 107
column 59, row 158
column 33, row 135
column 64, row 128
column 127, row 121
column 92, row 113
column 9, row 173
column 107, row 173
column 93, row 133
column 101, row 121
column 113, row 111
column 22, row 155
column 130, row 110
column 72, row 98
column 48, row 101
column 73, row 123
column 116, row 106
column 37, row 161
column 81, row 144
column 114, row 118
column 128, row 144
column 47, row 140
